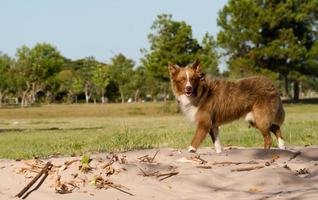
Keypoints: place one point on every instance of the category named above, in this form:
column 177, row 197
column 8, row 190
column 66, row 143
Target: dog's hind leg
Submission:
column 214, row 133
column 263, row 122
column 267, row 139
column 276, row 130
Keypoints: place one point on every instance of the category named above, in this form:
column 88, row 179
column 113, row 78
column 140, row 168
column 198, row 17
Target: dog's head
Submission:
column 185, row 80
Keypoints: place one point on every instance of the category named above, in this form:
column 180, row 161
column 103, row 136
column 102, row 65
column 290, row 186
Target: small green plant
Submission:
column 85, row 167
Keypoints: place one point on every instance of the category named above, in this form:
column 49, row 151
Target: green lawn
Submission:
column 78, row 129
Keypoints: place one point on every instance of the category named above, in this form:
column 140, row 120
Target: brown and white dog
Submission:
column 210, row 103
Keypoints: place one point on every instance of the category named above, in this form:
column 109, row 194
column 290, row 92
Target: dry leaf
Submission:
column 109, row 170
column 274, row 158
column 254, row 189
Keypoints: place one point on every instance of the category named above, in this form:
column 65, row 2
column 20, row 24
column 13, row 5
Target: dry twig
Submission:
column 234, row 163
column 147, row 158
column 67, row 164
column 166, row 175
column 44, row 171
column 295, row 155
column 102, row 183
column 204, row 167
column 247, row 169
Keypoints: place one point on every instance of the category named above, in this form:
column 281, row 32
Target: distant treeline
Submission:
column 274, row 38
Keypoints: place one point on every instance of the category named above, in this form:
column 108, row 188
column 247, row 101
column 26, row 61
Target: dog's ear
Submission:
column 173, row 69
column 196, row 66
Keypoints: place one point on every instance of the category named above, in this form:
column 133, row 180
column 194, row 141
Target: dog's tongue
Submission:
column 188, row 94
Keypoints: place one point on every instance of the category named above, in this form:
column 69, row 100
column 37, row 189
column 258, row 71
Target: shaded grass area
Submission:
column 75, row 130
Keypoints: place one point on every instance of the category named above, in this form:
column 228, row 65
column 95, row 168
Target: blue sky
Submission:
column 99, row 28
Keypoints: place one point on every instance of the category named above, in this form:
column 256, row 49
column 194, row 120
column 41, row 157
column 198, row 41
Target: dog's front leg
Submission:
column 202, row 129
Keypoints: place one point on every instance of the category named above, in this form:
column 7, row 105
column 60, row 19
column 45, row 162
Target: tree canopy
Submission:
column 280, row 36
column 172, row 41
column 275, row 38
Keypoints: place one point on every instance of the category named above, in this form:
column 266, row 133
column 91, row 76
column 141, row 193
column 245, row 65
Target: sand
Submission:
column 277, row 177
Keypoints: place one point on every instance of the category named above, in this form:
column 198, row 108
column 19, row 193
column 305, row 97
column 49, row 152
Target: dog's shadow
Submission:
column 306, row 154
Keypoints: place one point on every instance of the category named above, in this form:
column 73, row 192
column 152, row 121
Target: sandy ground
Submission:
column 278, row 177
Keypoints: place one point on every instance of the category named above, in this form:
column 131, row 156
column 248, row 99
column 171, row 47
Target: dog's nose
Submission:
column 188, row 88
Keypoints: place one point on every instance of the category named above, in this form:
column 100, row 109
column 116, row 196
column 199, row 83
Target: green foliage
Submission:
column 121, row 71
column 209, row 56
column 5, row 65
column 170, row 41
column 274, row 38
column 276, row 35
column 35, row 68
column 40, row 62
column 85, row 160
column 100, row 78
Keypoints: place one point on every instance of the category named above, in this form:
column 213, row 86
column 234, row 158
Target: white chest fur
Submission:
column 187, row 107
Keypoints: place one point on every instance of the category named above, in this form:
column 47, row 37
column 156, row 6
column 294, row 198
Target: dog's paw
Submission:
column 218, row 150
column 281, row 144
column 191, row 149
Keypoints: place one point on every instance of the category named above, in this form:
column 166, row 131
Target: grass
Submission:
column 80, row 129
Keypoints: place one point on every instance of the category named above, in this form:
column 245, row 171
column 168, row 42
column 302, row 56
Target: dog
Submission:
column 210, row 103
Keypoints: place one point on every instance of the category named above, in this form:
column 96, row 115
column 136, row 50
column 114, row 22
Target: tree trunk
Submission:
column 136, row 95
column 122, row 95
column 24, row 101
column 286, row 85
column 1, row 98
column 32, row 96
column 48, row 97
column 102, row 96
column 296, row 90
column 102, row 99
column 87, row 95
column 165, row 93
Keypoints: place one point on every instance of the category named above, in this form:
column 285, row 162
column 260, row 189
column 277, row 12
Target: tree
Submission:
column 84, row 69
column 274, row 35
column 100, row 79
column 138, row 83
column 170, row 41
column 208, row 55
column 5, row 78
column 121, row 70
column 70, row 83
column 52, row 85
column 35, row 66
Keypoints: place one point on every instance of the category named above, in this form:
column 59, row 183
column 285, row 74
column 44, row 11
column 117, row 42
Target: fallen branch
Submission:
column 234, row 163
column 146, row 174
column 45, row 171
column 166, row 175
column 295, row 155
column 204, row 167
column 247, row 169
column 153, row 158
column 202, row 160
column 117, row 188
column 67, row 164
column 100, row 183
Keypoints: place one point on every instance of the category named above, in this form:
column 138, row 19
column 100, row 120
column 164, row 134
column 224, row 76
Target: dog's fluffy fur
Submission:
column 210, row 103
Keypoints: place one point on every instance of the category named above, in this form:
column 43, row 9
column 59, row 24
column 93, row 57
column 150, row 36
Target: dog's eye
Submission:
column 181, row 79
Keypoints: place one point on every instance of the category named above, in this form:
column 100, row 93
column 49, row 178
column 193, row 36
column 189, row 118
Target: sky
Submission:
column 99, row 28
